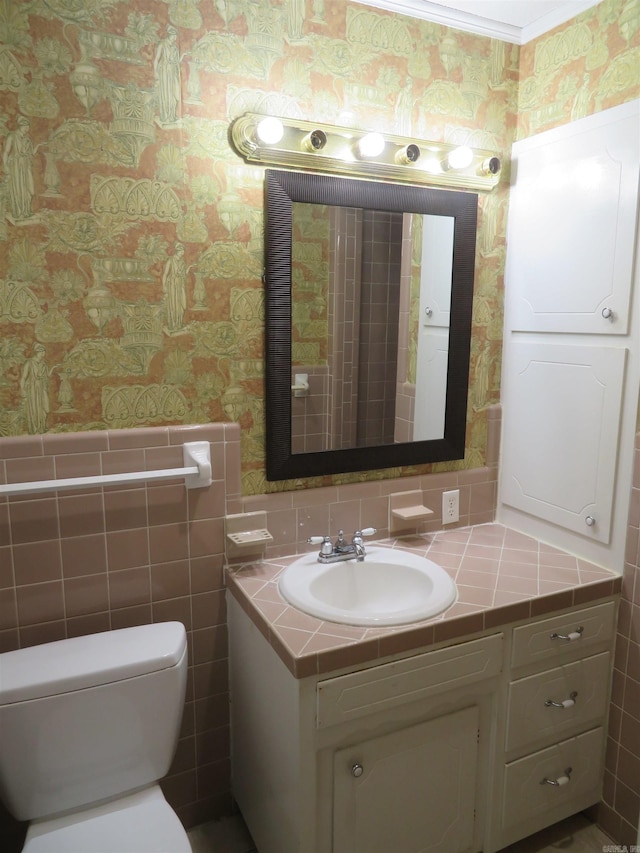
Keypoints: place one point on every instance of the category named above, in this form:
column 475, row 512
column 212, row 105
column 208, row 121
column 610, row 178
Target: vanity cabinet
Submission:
column 550, row 762
column 462, row 748
column 393, row 756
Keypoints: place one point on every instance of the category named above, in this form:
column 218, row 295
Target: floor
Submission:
column 575, row 835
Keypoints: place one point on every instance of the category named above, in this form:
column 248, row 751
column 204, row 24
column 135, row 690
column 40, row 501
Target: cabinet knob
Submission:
column 607, row 313
column 560, row 781
column 357, row 770
column 572, row 635
column 589, row 521
column 566, row 703
column 428, row 312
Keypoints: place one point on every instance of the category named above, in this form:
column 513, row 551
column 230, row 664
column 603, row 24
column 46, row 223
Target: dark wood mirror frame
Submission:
column 284, row 188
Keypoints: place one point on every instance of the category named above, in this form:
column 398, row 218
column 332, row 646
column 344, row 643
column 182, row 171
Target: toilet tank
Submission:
column 89, row 718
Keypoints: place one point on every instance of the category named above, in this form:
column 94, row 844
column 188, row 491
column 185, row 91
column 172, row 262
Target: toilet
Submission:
column 88, row 727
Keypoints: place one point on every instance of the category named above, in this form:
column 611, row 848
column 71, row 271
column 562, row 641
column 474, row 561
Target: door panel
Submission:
column 560, row 441
column 416, row 792
column 572, row 221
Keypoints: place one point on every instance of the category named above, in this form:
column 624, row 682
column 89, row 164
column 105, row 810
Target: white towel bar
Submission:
column 196, row 473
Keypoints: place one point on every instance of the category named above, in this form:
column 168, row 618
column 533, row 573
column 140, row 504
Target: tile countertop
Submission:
column 502, row 576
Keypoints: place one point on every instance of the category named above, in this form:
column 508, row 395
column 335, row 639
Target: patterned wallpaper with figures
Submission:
column 131, row 247
column 588, row 65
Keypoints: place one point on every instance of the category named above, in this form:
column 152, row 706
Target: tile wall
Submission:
column 343, row 319
column 380, row 312
column 619, row 812
column 73, row 563
column 310, row 412
column 76, row 563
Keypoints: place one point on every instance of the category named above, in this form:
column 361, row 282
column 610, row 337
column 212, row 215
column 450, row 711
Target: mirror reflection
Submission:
column 369, row 291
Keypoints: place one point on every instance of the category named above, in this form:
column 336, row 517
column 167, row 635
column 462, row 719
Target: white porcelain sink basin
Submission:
column 389, row 587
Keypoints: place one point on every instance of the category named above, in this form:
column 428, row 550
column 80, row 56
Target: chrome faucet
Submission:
column 341, row 549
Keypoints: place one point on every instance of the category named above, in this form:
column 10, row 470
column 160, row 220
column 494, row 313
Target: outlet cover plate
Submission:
column 451, row 506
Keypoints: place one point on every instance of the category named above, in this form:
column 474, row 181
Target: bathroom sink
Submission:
column 389, row 587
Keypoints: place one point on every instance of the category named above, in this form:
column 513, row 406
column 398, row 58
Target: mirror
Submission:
column 369, row 290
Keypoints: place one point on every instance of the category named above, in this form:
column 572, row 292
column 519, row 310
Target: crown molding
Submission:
column 468, row 22
column 568, row 10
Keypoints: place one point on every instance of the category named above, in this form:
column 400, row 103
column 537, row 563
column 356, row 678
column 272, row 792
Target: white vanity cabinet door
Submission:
column 572, row 220
column 410, row 791
column 561, row 433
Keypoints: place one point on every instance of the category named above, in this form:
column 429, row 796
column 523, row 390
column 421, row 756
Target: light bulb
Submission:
column 270, row 130
column 371, row 145
column 433, row 166
column 460, row 157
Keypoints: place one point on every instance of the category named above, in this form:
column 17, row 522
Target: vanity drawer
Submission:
column 526, row 796
column 351, row 696
column 530, row 718
column 542, row 641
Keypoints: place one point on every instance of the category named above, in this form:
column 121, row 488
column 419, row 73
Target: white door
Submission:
column 560, row 446
column 432, row 360
column 572, row 222
column 571, row 356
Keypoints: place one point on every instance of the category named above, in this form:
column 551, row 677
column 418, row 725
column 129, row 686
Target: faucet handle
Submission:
column 323, row 541
column 366, row 531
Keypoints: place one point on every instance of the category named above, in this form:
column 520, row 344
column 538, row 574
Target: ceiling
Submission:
column 515, row 21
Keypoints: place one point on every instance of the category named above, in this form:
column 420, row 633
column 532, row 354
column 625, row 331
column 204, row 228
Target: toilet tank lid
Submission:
column 80, row 662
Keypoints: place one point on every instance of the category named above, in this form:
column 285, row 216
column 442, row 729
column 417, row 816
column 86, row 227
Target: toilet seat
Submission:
column 142, row 822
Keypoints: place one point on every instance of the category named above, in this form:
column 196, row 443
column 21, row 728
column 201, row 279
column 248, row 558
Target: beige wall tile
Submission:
column 84, row 555
column 37, row 562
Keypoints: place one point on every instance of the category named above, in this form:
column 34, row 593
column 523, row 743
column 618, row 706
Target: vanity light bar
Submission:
column 323, row 147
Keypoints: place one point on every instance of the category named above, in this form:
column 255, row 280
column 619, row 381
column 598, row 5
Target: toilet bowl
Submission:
column 89, row 726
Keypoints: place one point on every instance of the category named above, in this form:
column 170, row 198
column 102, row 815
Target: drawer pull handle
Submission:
column 357, row 770
column 560, row 781
column 574, row 635
column 566, row 703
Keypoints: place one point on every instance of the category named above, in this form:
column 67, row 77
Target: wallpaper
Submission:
column 590, row 64
column 131, row 248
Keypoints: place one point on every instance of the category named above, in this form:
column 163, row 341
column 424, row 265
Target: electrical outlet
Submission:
column 451, row 506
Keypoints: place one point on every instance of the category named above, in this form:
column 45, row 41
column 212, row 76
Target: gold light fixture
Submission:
column 306, row 145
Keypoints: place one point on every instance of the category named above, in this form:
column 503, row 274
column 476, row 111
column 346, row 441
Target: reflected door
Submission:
column 432, row 357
